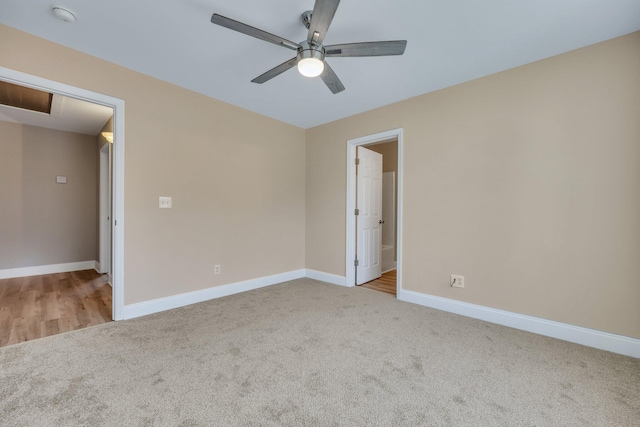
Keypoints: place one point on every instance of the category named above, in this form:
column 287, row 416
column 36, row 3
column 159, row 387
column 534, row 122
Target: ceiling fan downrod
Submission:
column 306, row 18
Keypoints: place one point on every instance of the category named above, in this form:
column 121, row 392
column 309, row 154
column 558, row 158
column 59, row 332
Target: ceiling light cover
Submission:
column 310, row 67
column 108, row 136
column 64, row 14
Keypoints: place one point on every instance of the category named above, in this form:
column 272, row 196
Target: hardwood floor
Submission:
column 39, row 306
column 386, row 283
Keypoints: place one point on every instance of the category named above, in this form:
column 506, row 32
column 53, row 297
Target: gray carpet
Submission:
column 305, row 353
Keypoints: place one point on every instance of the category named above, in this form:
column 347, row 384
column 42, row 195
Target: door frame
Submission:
column 104, row 211
column 28, row 80
column 381, row 137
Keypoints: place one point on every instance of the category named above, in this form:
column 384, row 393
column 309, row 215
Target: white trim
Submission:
column 96, row 266
column 38, row 270
column 117, row 211
column 40, row 83
column 326, row 277
column 104, row 209
column 351, row 200
column 576, row 334
column 167, row 303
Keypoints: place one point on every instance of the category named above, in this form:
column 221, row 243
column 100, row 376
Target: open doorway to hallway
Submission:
column 50, row 273
column 117, row 182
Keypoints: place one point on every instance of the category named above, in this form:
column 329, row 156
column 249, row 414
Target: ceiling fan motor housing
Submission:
column 310, row 50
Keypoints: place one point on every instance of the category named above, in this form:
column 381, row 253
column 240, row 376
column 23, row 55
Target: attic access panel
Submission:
column 25, row 98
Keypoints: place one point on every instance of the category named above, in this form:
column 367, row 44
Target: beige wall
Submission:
column 389, row 151
column 237, row 178
column 525, row 182
column 42, row 222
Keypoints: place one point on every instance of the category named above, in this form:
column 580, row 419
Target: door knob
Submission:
column 381, row 222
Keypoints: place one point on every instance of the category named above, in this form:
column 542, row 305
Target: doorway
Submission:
column 117, row 181
column 352, row 215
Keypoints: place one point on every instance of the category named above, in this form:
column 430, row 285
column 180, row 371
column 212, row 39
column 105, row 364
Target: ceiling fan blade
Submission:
column 321, row 18
column 252, row 31
column 330, row 78
column 276, row 71
column 395, row 47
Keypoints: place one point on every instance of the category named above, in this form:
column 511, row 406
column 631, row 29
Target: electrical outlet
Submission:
column 165, row 202
column 216, row 269
column 457, row 281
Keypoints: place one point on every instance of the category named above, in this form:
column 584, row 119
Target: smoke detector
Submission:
column 63, row 14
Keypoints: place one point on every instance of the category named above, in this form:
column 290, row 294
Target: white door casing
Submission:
column 368, row 220
column 105, row 213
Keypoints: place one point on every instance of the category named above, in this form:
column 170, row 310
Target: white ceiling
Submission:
column 449, row 42
column 67, row 114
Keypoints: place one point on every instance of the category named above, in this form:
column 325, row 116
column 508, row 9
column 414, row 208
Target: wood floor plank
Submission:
column 6, row 321
column 386, row 283
column 32, row 283
column 30, row 308
column 48, row 282
column 18, row 331
column 38, row 306
column 49, row 305
column 74, row 311
column 93, row 311
column 51, row 327
column 64, row 325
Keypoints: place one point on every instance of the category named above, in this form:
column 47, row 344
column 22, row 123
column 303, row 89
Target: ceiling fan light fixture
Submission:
column 310, row 59
column 310, row 67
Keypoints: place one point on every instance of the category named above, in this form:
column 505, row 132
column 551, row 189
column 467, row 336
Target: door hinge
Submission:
column 356, row 262
column 357, row 161
column 357, row 212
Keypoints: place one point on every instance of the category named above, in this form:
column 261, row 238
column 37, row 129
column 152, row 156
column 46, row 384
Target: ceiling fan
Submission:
column 311, row 55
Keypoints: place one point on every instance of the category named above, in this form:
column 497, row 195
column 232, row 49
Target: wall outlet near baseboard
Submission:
column 457, row 281
column 165, row 202
column 216, row 269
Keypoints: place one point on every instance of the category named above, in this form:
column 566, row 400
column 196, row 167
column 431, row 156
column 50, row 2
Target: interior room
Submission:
column 234, row 206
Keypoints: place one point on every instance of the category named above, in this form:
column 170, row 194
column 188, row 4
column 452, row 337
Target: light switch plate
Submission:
column 165, row 202
column 60, row 179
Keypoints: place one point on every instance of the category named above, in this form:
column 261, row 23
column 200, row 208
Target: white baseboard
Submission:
column 96, row 267
column 326, row 277
column 161, row 304
column 10, row 273
column 576, row 334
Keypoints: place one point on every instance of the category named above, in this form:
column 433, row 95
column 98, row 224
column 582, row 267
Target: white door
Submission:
column 369, row 218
